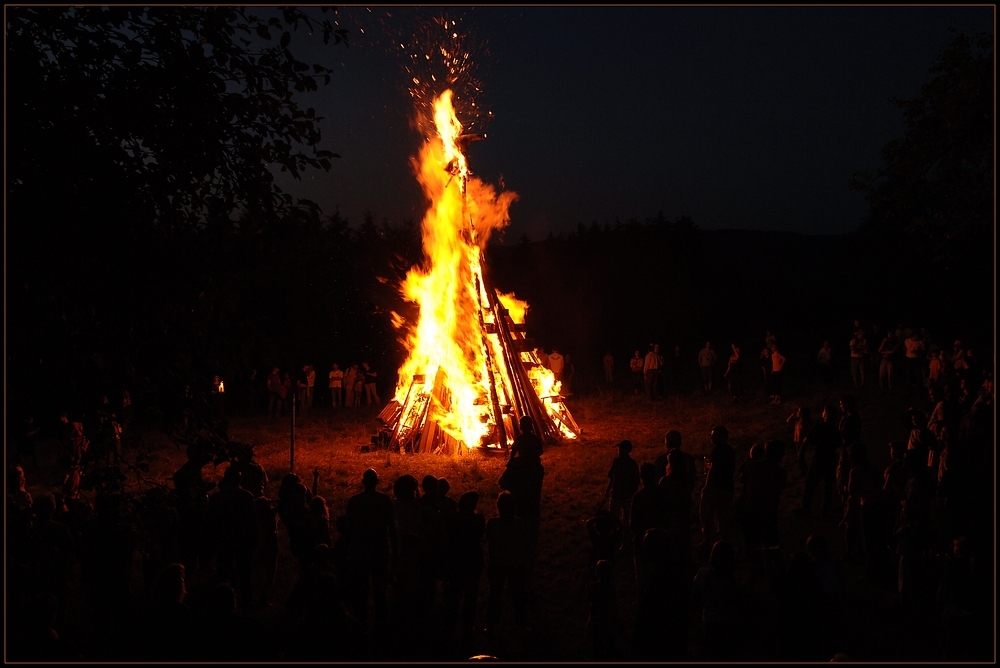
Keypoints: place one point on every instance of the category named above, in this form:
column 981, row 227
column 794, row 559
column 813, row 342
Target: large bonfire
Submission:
column 470, row 374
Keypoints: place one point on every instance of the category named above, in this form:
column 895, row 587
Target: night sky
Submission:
column 749, row 118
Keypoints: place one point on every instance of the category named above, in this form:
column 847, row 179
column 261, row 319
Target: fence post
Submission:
column 291, row 445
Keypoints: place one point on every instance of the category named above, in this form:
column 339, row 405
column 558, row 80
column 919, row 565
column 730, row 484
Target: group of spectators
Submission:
column 560, row 365
column 350, row 388
column 657, row 376
column 171, row 574
column 909, row 359
column 208, row 555
column 921, row 527
column 904, row 359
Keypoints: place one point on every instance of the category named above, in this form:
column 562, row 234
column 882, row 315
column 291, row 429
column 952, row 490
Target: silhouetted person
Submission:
column 253, row 478
column 649, row 511
column 446, row 504
column 764, row 485
column 266, row 552
column 677, row 497
column 322, row 629
column 801, row 421
column 371, row 377
column 718, row 600
column 850, row 433
column 191, row 492
column 864, row 518
column 717, row 494
column 635, row 365
column 823, row 440
column 233, row 637
column 605, row 534
column 507, row 563
column 321, row 520
column 746, row 474
column 623, row 482
column 921, row 441
column 661, row 632
column 232, row 527
column 603, row 620
column 370, row 517
column 170, row 633
column 686, row 469
column 298, row 521
column 958, row 593
column 527, row 442
column 466, row 529
column 413, row 587
column 161, row 524
column 523, row 479
column 275, row 402
column 409, row 516
column 734, row 374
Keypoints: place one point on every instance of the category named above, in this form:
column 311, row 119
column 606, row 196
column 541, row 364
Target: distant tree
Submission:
column 183, row 108
column 140, row 146
column 933, row 199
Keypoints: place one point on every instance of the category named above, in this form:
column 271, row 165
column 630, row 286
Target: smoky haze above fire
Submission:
column 750, row 118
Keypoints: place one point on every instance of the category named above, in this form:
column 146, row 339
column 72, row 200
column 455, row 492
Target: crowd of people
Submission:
column 351, row 387
column 906, row 359
column 209, row 554
column 179, row 573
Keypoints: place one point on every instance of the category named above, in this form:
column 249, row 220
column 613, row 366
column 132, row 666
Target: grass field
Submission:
column 575, row 480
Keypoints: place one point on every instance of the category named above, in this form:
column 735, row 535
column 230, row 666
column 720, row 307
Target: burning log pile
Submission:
column 471, row 373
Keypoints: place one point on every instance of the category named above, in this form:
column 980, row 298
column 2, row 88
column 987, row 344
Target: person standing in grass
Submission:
column 706, row 361
column 824, row 439
column 765, row 366
column 350, row 376
column 623, row 483
column 556, row 365
column 823, row 359
column 717, row 494
column 310, row 374
column 371, row 517
column 636, row 365
column 859, row 349
column 801, row 421
column 887, row 351
column 777, row 374
column 336, row 377
column 275, row 404
column 609, row 369
column 651, row 371
column 734, row 374
column 505, row 537
column 370, row 377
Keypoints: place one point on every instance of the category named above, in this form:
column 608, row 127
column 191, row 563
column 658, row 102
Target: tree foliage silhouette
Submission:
column 935, row 192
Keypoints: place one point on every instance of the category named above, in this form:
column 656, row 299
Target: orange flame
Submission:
column 447, row 346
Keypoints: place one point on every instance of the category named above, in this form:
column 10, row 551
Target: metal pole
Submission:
column 291, row 444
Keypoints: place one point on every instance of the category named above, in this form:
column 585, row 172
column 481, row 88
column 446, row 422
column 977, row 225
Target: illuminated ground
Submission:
column 574, row 483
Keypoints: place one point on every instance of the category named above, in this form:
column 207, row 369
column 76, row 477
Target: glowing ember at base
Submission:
column 470, row 375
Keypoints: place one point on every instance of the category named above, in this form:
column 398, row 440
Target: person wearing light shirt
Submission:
column 336, row 386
